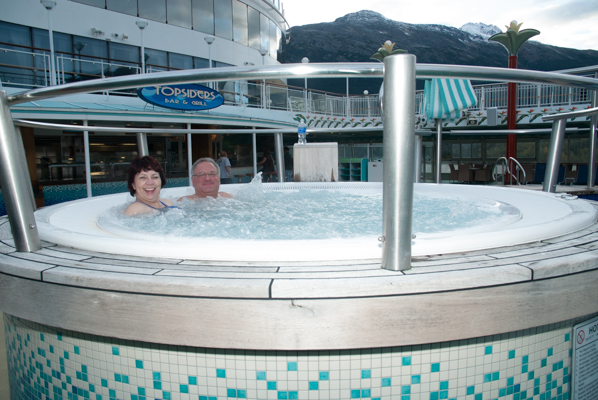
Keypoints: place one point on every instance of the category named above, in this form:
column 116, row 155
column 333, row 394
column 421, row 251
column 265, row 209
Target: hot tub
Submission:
column 85, row 316
column 532, row 216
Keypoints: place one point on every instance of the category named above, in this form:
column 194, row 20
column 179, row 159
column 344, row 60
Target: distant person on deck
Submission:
column 224, row 165
column 205, row 180
column 268, row 165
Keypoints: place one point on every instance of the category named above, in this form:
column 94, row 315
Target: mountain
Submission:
column 481, row 29
column 356, row 36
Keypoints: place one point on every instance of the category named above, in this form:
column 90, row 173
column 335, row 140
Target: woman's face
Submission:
column 147, row 185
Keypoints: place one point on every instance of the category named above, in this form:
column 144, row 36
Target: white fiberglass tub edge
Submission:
column 541, row 216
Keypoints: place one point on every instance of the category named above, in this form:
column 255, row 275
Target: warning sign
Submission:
column 585, row 360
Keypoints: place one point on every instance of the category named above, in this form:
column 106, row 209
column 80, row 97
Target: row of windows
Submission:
column 228, row 19
column 575, row 150
column 97, row 57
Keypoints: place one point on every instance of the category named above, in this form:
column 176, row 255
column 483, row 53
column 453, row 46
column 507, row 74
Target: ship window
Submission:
column 179, row 13
column 180, row 61
column 122, row 6
column 579, row 150
column 19, row 35
column 123, row 55
column 95, row 3
column 223, row 18
column 200, row 62
column 264, row 32
column 156, row 59
column 253, row 25
column 16, row 34
column 476, row 151
column 273, row 40
column 203, row 16
column 495, row 150
column 153, row 9
column 240, row 22
column 456, row 150
column 526, row 150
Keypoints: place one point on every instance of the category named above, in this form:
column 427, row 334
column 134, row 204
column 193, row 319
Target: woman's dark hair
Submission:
column 146, row 163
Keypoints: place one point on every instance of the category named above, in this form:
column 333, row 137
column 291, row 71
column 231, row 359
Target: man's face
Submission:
column 206, row 185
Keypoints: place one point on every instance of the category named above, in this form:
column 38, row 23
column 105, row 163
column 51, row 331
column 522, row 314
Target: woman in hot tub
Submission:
column 146, row 179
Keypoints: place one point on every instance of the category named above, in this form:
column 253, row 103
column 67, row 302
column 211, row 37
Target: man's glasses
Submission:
column 203, row 175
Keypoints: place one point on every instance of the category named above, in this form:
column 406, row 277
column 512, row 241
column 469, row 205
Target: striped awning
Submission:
column 446, row 98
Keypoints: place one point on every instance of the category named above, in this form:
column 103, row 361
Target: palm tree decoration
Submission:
column 386, row 50
column 512, row 39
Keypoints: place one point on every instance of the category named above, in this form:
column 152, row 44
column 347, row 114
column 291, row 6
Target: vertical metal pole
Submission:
column 279, row 156
column 16, row 185
column 189, row 155
column 399, row 142
column 142, row 52
column 592, row 159
column 253, row 141
column 418, row 159
column 438, row 149
column 87, row 160
column 554, row 155
column 52, row 58
column 142, row 149
column 348, row 101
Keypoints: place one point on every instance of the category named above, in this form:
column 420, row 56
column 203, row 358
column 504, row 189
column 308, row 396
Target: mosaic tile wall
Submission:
column 45, row 363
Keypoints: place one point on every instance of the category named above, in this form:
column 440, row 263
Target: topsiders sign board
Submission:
column 182, row 97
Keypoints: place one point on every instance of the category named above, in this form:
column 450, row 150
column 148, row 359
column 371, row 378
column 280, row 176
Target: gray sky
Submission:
column 564, row 23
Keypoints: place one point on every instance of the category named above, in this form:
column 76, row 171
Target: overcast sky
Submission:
column 564, row 23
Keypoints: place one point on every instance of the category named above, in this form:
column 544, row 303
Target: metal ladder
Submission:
column 518, row 170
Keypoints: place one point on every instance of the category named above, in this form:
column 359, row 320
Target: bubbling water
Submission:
column 255, row 213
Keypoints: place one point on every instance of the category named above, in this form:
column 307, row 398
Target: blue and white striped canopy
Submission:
column 446, row 98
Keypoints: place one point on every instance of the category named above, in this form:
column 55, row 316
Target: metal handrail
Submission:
column 494, row 168
column 315, row 70
column 508, row 170
column 520, row 169
column 490, row 95
column 399, row 76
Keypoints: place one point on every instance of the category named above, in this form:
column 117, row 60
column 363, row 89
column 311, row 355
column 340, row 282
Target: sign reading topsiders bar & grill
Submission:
column 182, row 97
column 585, row 360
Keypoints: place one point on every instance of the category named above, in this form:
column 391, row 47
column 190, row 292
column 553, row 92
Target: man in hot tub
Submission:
column 206, row 180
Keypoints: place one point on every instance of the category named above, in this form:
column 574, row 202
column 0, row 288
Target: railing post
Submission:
column 87, row 160
column 142, row 148
column 554, row 155
column 592, row 159
column 438, row 149
column 189, row 155
column 16, row 184
column 418, row 159
column 279, row 156
column 399, row 143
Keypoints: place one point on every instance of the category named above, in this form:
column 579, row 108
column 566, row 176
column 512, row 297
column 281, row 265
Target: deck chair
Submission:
column 464, row 173
column 539, row 173
column 561, row 177
column 582, row 175
column 454, row 177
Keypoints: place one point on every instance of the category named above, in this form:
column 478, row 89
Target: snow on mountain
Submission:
column 481, row 29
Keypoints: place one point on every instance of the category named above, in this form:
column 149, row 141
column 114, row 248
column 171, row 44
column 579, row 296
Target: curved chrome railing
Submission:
column 399, row 73
column 315, row 70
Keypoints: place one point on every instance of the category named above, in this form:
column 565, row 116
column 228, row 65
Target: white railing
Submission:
column 14, row 65
column 73, row 69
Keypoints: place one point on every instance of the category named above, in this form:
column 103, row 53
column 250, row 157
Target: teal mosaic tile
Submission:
column 94, row 371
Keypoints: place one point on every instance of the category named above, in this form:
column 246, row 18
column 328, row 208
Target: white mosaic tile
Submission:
column 45, row 363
